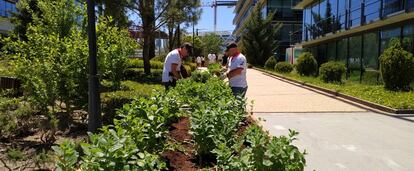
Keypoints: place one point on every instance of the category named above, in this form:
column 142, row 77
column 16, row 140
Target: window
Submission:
column 409, row 4
column 308, row 23
column 315, row 21
column 372, row 10
column 408, row 36
column 371, row 45
column 387, row 35
column 321, row 57
column 342, row 50
column 355, row 13
column 331, row 55
column 392, row 6
column 354, row 59
column 342, row 6
column 323, row 17
column 332, row 6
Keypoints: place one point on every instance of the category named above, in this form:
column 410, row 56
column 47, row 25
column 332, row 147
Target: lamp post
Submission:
column 94, row 108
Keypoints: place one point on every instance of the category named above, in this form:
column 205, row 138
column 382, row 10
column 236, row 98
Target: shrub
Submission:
column 283, row 67
column 307, row 65
column 138, row 63
column 332, row 71
column 160, row 58
column 249, row 65
column 138, row 75
column 270, row 63
column 201, row 76
column 397, row 67
column 130, row 90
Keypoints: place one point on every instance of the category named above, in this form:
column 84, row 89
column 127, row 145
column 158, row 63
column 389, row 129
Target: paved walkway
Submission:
column 337, row 135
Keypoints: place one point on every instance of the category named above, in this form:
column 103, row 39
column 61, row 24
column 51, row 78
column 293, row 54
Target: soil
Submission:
column 181, row 160
column 186, row 159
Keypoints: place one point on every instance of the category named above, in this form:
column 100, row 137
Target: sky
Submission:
column 225, row 17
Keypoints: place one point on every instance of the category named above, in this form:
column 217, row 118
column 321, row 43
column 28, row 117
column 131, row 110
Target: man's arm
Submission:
column 175, row 72
column 234, row 72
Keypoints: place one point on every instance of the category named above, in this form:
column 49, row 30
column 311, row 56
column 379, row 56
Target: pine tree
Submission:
column 259, row 38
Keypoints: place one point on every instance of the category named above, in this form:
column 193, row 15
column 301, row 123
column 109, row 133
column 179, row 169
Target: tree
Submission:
column 180, row 12
column 327, row 24
column 259, row 37
column 198, row 44
column 117, row 10
column 21, row 20
column 211, row 44
column 156, row 13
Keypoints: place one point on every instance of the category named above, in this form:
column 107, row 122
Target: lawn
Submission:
column 366, row 91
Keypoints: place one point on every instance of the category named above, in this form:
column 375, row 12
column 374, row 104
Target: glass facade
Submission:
column 359, row 52
column 7, row 8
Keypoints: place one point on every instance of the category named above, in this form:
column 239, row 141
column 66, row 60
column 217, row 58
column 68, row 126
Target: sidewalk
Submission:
column 337, row 135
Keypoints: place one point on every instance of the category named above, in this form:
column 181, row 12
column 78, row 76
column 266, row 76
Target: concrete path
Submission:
column 337, row 136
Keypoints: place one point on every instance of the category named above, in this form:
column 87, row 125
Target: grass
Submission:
column 371, row 91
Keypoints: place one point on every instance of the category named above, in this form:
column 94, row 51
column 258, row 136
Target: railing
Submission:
column 9, row 83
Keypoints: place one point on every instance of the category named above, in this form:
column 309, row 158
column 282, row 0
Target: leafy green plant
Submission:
column 200, row 76
column 397, row 66
column 66, row 156
column 15, row 154
column 283, row 67
column 116, row 150
column 270, row 63
column 332, row 72
column 306, row 64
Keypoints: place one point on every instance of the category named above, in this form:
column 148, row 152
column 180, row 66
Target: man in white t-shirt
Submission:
column 172, row 65
column 237, row 69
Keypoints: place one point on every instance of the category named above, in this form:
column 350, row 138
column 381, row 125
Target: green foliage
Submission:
column 211, row 43
column 114, row 48
column 160, row 58
column 397, row 66
column 261, row 153
column 15, row 154
column 332, row 71
column 52, row 62
column 200, row 76
column 138, row 63
column 116, row 150
column 130, row 90
column 259, row 40
column 283, row 67
column 138, row 75
column 198, row 44
column 66, row 156
column 24, row 16
column 270, row 63
column 307, row 65
column 14, row 116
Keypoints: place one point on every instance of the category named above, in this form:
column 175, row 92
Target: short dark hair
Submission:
column 187, row 46
column 231, row 45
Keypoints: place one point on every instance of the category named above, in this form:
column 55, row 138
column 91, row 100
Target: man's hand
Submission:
column 234, row 72
column 174, row 71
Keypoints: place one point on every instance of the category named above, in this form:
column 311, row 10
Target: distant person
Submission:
column 224, row 59
column 237, row 69
column 172, row 65
column 203, row 61
column 211, row 58
column 198, row 60
column 220, row 59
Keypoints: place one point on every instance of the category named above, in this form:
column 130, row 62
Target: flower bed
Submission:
column 157, row 133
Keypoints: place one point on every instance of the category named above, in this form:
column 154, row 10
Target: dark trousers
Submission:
column 239, row 91
column 170, row 84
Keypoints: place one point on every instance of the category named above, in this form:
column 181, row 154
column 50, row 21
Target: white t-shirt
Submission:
column 211, row 58
column 198, row 59
column 172, row 58
column 238, row 62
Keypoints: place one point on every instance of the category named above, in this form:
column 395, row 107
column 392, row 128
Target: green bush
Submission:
column 283, row 67
column 130, row 90
column 397, row 67
column 307, row 65
column 138, row 75
column 160, row 58
column 139, row 63
column 16, row 117
column 332, row 71
column 249, row 65
column 200, row 76
column 270, row 63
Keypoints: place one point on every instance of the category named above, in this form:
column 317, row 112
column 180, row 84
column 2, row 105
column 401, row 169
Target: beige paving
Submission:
column 272, row 96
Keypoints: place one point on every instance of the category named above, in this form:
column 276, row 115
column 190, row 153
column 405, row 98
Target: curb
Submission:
column 371, row 106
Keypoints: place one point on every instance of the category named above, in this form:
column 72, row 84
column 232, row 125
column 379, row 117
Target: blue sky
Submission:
column 225, row 17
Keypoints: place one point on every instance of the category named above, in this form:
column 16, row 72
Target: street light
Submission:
column 94, row 101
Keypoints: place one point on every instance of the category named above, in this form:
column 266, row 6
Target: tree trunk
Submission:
column 170, row 38
column 148, row 22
